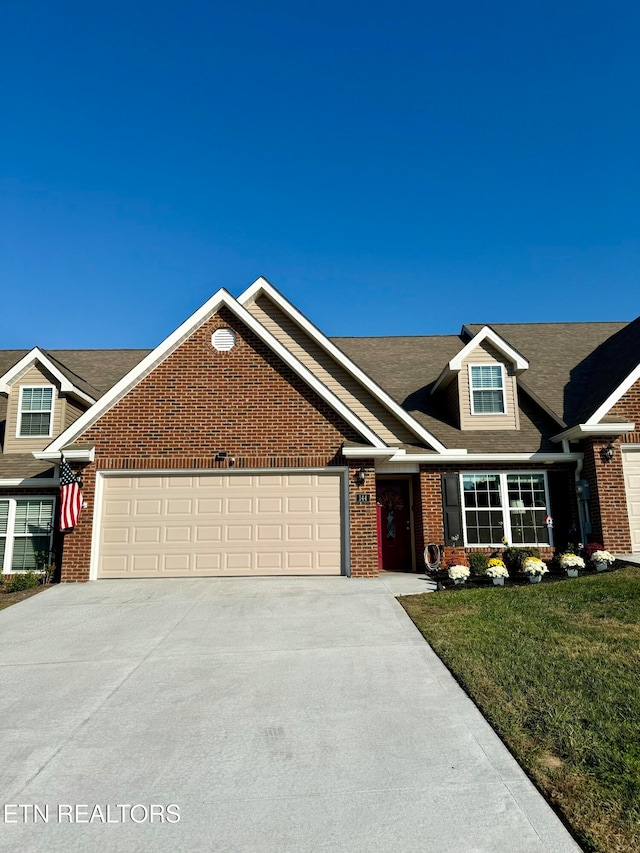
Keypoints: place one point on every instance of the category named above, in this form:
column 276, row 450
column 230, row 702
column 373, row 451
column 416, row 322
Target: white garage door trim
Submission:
column 101, row 476
column 634, row 520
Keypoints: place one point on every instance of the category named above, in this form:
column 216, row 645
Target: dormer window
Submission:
column 35, row 411
column 486, row 382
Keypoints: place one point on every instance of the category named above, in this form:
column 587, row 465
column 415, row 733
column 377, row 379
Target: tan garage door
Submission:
column 214, row 525
column 631, row 466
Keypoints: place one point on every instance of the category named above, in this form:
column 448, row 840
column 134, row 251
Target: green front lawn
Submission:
column 555, row 668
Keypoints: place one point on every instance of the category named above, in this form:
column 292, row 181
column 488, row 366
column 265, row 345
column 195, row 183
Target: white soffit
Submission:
column 584, row 430
column 173, row 341
column 261, row 285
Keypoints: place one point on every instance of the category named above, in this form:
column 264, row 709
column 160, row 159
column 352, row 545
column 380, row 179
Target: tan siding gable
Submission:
column 34, row 376
column 485, row 353
column 72, row 412
column 330, row 373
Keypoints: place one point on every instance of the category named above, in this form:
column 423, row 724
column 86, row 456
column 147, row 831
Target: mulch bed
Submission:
column 515, row 579
column 8, row 598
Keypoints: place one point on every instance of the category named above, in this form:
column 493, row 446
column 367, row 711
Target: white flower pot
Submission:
column 572, row 573
column 535, row 578
column 601, row 566
column 498, row 581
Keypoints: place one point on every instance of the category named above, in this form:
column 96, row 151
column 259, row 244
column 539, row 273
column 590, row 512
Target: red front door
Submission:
column 393, row 496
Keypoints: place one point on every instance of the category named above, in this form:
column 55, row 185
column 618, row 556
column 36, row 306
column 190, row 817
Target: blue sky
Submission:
column 391, row 168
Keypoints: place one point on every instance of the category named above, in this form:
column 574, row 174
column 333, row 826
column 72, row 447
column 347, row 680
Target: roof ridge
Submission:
column 557, row 323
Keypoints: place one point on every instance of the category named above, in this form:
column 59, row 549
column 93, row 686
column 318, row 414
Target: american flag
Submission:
column 70, row 497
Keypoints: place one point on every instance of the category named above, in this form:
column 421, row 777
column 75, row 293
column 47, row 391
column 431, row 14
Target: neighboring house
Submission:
column 248, row 443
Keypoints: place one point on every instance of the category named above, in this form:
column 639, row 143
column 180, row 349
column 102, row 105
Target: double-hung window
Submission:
column 486, row 382
column 36, row 411
column 26, row 530
column 513, row 506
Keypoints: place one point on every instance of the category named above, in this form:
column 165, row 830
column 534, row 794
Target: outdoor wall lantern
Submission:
column 608, row 452
column 360, row 476
column 223, row 456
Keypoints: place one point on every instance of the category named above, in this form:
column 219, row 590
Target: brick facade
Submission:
column 199, row 401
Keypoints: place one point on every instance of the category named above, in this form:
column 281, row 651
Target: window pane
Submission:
column 527, row 508
column 528, row 488
column 34, row 516
column 483, row 512
column 2, row 547
column 30, row 552
column 485, row 402
column 481, row 490
column 27, row 398
column 486, row 376
column 484, row 527
column 35, row 424
column 37, row 399
column 4, row 516
column 527, row 527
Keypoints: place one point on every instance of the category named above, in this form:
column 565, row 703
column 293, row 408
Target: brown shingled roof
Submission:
column 15, row 466
column 93, row 371
column 101, row 368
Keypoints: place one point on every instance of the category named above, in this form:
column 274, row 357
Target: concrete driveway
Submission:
column 278, row 715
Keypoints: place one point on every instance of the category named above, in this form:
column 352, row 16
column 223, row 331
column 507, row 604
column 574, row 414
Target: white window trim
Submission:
column 506, row 515
column 19, row 419
column 503, row 389
column 9, row 537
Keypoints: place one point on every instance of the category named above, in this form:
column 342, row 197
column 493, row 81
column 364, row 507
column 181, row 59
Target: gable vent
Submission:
column 223, row 340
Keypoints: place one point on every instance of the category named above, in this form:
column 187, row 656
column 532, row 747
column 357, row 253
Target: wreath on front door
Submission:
column 391, row 501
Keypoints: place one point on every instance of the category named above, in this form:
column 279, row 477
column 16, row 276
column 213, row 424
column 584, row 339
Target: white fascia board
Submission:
column 31, row 483
column 136, row 374
column 78, row 455
column 36, row 355
column 261, row 285
column 401, row 457
column 369, row 452
column 487, row 334
column 492, row 457
column 584, row 430
column 613, row 398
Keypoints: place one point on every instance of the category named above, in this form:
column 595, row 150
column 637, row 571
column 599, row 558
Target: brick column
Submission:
column 431, row 506
column 363, row 524
column 608, row 501
column 76, row 545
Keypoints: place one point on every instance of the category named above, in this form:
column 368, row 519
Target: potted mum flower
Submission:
column 602, row 560
column 571, row 563
column 497, row 571
column 458, row 572
column 534, row 568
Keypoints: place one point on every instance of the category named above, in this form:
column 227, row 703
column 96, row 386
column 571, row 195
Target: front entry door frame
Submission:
column 408, row 478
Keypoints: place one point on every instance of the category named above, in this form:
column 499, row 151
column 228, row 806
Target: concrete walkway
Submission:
column 634, row 559
column 279, row 715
